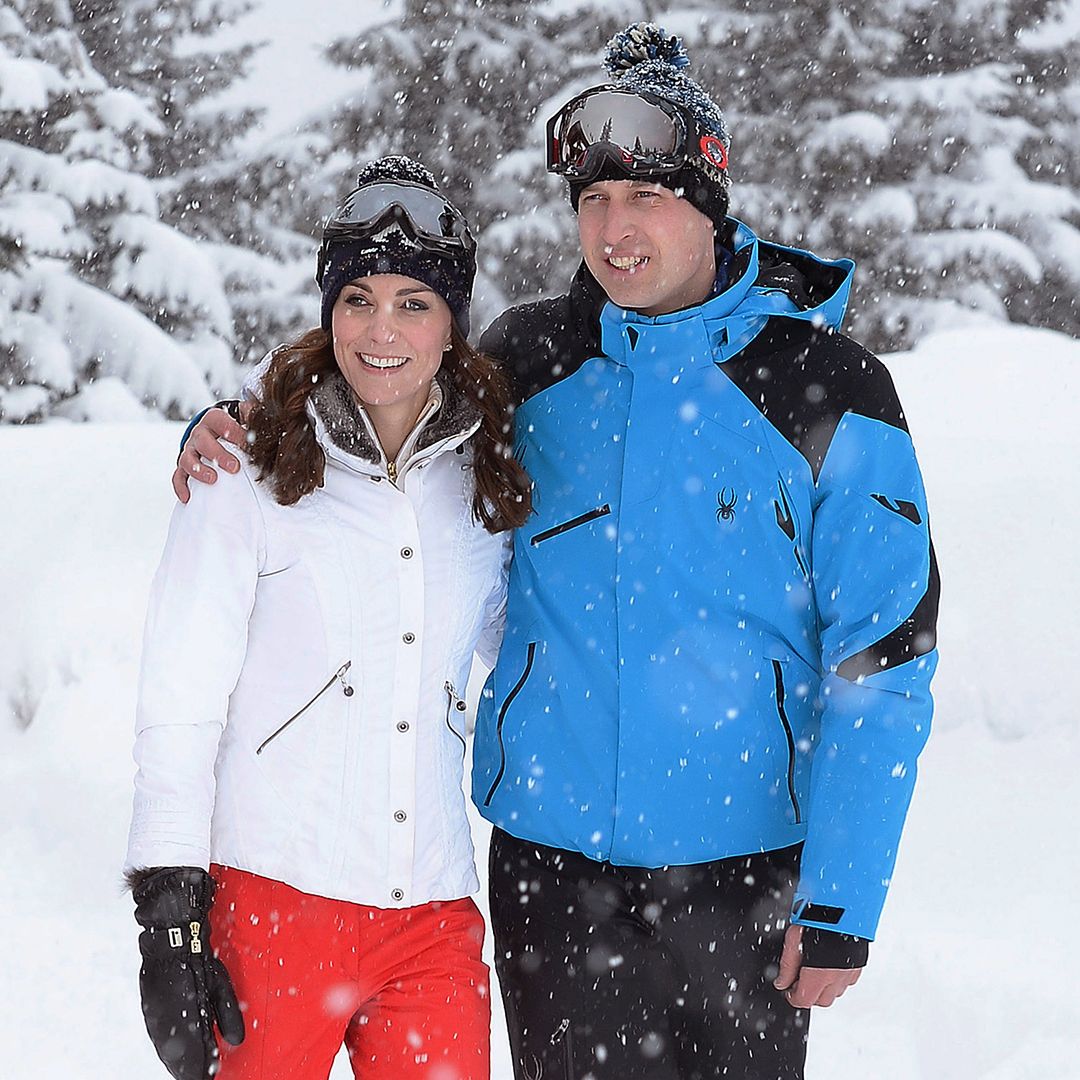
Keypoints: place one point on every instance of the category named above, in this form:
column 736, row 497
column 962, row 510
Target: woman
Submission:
column 299, row 783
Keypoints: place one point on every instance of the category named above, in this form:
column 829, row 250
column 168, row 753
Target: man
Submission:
column 699, row 743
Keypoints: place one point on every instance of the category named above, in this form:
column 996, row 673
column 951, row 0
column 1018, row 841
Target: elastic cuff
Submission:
column 829, row 949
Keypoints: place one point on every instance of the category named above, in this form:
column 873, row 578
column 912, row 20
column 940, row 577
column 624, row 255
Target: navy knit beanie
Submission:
column 645, row 58
column 391, row 252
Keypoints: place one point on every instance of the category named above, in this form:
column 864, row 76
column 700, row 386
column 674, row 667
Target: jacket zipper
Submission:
column 778, row 674
column 453, row 701
column 502, row 716
column 573, row 523
column 347, row 690
column 562, row 1034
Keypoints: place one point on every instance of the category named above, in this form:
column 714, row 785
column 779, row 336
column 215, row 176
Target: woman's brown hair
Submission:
column 282, row 442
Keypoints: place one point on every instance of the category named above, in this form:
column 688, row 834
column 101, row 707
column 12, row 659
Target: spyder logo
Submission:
column 726, row 504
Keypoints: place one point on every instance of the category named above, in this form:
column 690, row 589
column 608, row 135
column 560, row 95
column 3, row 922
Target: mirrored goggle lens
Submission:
column 429, row 213
column 643, row 132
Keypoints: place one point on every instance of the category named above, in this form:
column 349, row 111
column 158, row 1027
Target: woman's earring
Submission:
column 448, row 346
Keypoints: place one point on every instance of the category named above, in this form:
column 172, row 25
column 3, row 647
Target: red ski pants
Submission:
column 404, row 989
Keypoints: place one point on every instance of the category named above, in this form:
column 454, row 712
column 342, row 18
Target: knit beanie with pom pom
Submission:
column 391, row 252
column 645, row 59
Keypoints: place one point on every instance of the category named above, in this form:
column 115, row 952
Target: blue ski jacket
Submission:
column 720, row 632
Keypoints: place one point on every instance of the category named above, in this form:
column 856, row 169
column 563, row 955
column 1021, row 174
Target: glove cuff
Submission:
column 172, row 893
column 171, row 904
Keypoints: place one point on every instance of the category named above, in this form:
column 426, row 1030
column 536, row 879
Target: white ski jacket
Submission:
column 299, row 710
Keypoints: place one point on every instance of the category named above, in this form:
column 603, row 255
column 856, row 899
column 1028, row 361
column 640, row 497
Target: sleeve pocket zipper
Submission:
column 346, row 689
column 454, row 702
column 502, row 716
column 573, row 523
column 778, row 674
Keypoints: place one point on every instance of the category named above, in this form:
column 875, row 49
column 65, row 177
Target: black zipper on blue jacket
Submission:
column 573, row 523
column 778, row 673
column 347, row 690
column 786, row 521
column 502, row 716
column 453, row 700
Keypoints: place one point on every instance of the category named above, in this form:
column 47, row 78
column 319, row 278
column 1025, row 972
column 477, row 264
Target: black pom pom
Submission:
column 642, row 41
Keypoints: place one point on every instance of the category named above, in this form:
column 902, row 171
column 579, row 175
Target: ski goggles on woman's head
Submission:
column 425, row 218
column 643, row 135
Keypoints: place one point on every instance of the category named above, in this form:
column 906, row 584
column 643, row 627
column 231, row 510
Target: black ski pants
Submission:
column 623, row 973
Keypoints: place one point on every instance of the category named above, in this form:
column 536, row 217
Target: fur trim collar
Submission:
column 350, row 428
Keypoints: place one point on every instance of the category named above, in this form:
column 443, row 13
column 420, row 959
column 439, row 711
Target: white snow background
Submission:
column 973, row 976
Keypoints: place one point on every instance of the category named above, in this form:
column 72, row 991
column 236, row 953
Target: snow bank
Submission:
column 966, row 980
column 993, row 412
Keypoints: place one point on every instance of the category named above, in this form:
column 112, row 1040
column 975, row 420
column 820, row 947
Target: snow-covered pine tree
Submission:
column 1049, row 165
column 935, row 143
column 931, row 142
column 255, row 214
column 255, row 207
column 107, row 308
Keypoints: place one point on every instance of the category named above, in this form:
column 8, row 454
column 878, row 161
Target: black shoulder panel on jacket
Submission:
column 544, row 342
column 803, row 380
column 914, row 637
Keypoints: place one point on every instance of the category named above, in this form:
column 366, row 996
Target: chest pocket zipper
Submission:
column 453, row 702
column 573, row 523
column 346, row 689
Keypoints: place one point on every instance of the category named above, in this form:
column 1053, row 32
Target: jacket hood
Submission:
column 765, row 280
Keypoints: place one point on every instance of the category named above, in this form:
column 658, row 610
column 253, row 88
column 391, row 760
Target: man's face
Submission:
column 651, row 250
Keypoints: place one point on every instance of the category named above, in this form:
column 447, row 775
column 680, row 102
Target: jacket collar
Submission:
column 346, row 433
column 766, row 280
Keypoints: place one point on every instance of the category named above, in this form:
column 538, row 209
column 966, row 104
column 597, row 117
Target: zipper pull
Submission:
column 340, row 676
column 453, row 700
column 196, row 941
column 459, row 703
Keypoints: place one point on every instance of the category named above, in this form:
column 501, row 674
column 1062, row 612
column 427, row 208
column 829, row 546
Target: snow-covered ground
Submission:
column 972, row 976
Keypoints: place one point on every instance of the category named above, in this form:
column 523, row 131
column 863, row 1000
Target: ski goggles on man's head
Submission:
column 424, row 217
column 643, row 135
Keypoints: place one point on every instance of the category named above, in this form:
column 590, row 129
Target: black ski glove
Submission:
column 184, row 987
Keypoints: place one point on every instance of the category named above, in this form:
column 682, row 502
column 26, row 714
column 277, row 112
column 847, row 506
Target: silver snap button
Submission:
column 400, row 815
column 406, row 552
column 403, row 725
column 397, row 894
column 461, row 706
column 409, row 637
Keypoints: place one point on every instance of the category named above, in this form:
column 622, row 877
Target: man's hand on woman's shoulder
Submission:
column 203, row 449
